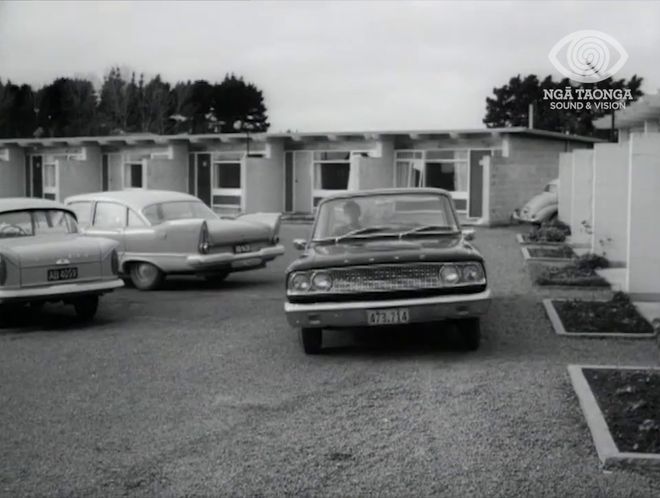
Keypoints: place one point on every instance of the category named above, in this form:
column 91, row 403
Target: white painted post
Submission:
column 581, row 204
column 643, row 271
column 565, row 186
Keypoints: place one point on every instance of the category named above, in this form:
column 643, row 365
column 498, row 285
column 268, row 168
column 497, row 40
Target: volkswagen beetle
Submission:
column 386, row 257
column 542, row 207
column 164, row 233
column 43, row 258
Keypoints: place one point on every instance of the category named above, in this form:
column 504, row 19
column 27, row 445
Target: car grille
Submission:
column 386, row 278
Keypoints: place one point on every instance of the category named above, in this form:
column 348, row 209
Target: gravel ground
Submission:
column 204, row 390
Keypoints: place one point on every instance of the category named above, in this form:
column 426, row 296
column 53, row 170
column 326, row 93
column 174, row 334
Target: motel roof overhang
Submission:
column 201, row 139
column 647, row 108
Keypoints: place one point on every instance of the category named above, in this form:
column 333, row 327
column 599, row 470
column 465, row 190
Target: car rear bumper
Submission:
column 234, row 262
column 59, row 291
column 518, row 216
column 354, row 313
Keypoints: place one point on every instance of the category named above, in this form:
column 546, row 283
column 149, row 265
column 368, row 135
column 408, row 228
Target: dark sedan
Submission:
column 386, row 257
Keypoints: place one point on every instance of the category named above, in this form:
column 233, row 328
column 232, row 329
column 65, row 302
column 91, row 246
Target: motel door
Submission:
column 37, row 177
column 204, row 178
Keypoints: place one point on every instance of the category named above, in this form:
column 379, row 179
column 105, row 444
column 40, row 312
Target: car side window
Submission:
column 134, row 220
column 109, row 215
column 83, row 212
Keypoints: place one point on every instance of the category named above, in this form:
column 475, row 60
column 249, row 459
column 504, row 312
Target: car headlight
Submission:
column 449, row 274
column 322, row 281
column 299, row 282
column 473, row 273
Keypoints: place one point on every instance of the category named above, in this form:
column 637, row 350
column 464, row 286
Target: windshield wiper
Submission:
column 361, row 231
column 428, row 228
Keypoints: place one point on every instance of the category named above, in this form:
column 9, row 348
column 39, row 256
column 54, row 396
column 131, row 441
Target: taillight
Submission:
column 114, row 262
column 204, row 239
column 3, row 271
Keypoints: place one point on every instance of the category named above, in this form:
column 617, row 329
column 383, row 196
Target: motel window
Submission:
column 133, row 175
column 331, row 170
column 448, row 169
column 50, row 180
column 227, row 175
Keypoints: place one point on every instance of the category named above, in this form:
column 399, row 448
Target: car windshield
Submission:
column 36, row 222
column 177, row 210
column 385, row 214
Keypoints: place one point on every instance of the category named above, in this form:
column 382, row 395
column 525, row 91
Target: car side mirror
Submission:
column 468, row 234
column 299, row 244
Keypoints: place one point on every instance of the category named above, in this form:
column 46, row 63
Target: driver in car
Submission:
column 353, row 212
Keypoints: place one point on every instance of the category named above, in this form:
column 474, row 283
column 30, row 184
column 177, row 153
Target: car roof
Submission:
column 386, row 191
column 135, row 198
column 22, row 203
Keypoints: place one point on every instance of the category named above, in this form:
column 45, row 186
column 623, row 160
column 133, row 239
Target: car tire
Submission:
column 470, row 329
column 146, row 276
column 86, row 307
column 311, row 339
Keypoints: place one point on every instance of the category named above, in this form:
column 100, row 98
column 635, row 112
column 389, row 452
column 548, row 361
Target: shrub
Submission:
column 591, row 262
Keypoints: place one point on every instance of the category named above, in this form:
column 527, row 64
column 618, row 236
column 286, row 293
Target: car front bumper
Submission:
column 520, row 217
column 59, row 291
column 354, row 313
column 234, row 262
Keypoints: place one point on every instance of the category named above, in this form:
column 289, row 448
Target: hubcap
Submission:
column 146, row 272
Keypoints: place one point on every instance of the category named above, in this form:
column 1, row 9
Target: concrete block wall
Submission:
column 80, row 176
column 522, row 173
column 169, row 174
column 12, row 172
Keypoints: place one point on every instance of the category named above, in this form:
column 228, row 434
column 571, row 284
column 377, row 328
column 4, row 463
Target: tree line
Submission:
column 509, row 105
column 123, row 105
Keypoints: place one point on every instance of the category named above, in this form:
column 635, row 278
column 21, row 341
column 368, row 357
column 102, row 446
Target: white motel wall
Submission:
column 610, row 196
column 489, row 172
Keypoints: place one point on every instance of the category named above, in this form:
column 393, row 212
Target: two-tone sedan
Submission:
column 43, row 258
column 386, row 257
column 164, row 233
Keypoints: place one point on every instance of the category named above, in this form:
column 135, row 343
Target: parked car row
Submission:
column 375, row 258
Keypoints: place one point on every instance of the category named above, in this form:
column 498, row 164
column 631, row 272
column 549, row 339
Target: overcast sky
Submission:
column 325, row 66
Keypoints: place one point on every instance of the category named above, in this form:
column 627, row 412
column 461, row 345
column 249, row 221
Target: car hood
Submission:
column 540, row 201
column 46, row 250
column 222, row 231
column 384, row 250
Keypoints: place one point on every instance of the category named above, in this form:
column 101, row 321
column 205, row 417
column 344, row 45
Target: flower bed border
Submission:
column 608, row 452
column 559, row 261
column 523, row 242
column 559, row 329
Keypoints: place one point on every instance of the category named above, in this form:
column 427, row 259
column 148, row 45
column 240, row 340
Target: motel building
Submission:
column 488, row 171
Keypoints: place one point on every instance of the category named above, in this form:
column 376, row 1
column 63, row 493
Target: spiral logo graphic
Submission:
column 588, row 56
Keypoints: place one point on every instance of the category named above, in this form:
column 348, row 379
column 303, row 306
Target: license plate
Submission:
column 69, row 273
column 242, row 248
column 246, row 263
column 388, row 317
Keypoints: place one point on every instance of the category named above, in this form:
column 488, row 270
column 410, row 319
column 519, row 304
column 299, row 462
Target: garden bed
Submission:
column 617, row 317
column 622, row 408
column 568, row 275
column 524, row 239
column 557, row 252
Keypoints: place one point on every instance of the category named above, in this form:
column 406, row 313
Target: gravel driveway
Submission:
column 203, row 390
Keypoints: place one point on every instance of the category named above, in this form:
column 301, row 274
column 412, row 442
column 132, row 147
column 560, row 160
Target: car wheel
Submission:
column 86, row 307
column 146, row 276
column 37, row 306
column 470, row 329
column 216, row 278
column 311, row 340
